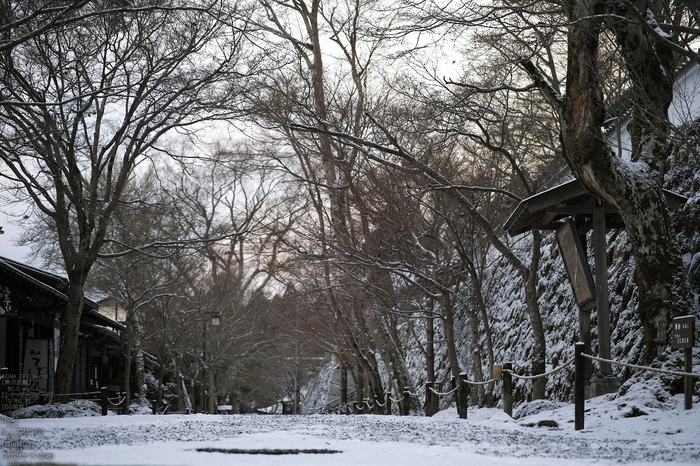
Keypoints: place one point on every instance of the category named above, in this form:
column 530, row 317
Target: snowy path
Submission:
column 489, row 437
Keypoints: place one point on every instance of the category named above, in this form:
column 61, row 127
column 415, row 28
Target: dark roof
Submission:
column 50, row 283
column 545, row 210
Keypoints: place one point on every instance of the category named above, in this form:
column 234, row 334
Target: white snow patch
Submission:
column 665, row 433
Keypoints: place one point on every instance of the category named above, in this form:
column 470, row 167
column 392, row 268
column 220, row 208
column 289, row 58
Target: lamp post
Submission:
column 215, row 322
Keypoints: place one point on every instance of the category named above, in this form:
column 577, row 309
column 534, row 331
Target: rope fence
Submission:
column 650, row 369
column 118, row 403
column 539, row 376
column 461, row 389
column 454, row 390
column 477, row 384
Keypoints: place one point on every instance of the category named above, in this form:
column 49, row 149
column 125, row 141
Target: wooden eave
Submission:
column 546, row 210
column 49, row 283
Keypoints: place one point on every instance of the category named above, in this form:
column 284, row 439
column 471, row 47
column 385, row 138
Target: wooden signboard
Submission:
column 575, row 263
column 683, row 332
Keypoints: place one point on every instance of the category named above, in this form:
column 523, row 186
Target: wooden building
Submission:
column 31, row 304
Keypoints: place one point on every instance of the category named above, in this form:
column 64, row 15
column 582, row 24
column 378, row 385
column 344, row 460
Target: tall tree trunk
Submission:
column 159, row 394
column 449, row 325
column 634, row 189
column 127, row 375
column 533, row 311
column 212, row 392
column 389, row 350
column 481, row 306
column 478, row 394
column 140, row 360
column 358, row 374
column 430, row 344
column 70, row 331
column 375, row 378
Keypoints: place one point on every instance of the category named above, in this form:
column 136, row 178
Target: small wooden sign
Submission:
column 683, row 332
column 497, row 372
column 575, row 263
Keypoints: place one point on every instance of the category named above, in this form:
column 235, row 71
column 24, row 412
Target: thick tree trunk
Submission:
column 70, row 330
column 635, row 189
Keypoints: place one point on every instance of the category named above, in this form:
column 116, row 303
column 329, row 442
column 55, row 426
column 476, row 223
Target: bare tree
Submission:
column 82, row 103
column 634, row 188
column 311, row 92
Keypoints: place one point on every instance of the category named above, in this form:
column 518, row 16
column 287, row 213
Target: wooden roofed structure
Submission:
column 572, row 211
column 547, row 210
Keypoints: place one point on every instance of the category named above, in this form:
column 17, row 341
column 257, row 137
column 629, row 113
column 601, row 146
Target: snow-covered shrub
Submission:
column 77, row 408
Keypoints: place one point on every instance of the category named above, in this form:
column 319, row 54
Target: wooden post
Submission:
column 429, row 399
column 124, row 404
column 683, row 337
column 462, row 396
column 105, row 400
column 601, row 286
column 353, row 407
column 507, row 388
column 688, row 380
column 343, row 383
column 584, row 329
column 387, row 400
column 579, row 385
column 404, row 406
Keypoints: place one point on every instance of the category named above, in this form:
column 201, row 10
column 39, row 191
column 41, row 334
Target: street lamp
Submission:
column 215, row 322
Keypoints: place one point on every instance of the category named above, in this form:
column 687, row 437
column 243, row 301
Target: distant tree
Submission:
column 139, row 278
column 308, row 89
column 82, row 103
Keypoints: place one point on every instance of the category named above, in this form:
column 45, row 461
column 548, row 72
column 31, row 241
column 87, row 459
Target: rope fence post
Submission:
column 453, row 385
column 688, row 380
column 462, row 396
column 429, row 399
column 354, row 408
column 507, row 388
column 405, row 404
column 388, row 403
column 103, row 393
column 579, row 385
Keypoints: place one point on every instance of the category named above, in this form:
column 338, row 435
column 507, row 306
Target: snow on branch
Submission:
column 539, row 81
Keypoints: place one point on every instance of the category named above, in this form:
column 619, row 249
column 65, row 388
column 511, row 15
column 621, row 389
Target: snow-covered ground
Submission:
column 636, row 429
